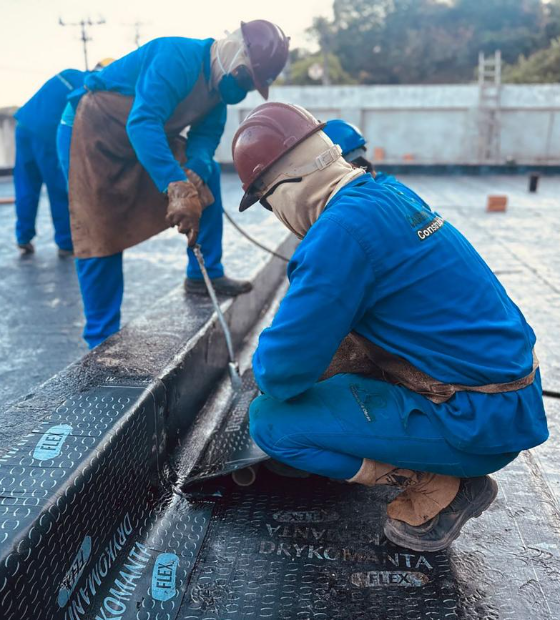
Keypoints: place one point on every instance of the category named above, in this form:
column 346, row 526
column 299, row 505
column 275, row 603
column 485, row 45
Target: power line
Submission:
column 85, row 38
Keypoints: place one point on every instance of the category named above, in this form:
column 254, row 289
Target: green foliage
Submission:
column 300, row 70
column 432, row 41
column 542, row 66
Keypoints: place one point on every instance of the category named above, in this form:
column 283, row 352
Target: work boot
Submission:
column 25, row 249
column 474, row 497
column 65, row 253
column 424, row 494
column 222, row 286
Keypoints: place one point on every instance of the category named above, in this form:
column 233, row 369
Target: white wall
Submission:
column 7, row 147
column 431, row 124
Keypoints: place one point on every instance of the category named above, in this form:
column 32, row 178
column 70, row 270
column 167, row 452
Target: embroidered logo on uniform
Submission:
column 416, row 218
column 431, row 228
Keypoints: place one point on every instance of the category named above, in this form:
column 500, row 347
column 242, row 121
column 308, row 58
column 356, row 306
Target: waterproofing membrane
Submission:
column 65, row 488
column 94, row 527
column 293, row 548
column 231, row 447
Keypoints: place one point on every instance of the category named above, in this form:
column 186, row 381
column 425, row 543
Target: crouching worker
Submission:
column 396, row 357
column 131, row 174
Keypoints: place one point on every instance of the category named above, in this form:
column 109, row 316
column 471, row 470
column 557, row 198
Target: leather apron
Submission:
column 114, row 204
column 359, row 355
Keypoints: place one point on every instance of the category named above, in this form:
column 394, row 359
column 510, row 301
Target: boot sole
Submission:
column 474, row 511
column 197, row 291
column 204, row 292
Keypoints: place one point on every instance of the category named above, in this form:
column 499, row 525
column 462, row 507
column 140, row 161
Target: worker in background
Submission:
column 351, row 142
column 396, row 356
column 132, row 175
column 37, row 160
column 354, row 149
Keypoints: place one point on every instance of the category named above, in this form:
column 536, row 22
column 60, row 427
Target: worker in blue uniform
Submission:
column 396, row 356
column 351, row 142
column 131, row 174
column 37, row 161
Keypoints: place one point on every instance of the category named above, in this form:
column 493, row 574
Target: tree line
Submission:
column 430, row 42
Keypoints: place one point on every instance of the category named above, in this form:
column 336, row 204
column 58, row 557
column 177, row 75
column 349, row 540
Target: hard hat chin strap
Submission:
column 322, row 161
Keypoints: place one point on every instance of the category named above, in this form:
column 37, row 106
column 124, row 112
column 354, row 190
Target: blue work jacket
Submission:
column 41, row 114
column 159, row 75
column 379, row 261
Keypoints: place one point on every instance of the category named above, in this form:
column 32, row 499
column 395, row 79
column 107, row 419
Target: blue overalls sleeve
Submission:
column 164, row 81
column 330, row 279
column 203, row 139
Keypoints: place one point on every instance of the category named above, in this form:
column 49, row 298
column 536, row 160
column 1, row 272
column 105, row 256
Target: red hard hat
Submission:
column 267, row 47
column 266, row 135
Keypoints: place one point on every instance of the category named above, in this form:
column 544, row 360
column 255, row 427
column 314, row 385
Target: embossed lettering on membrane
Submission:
column 164, row 577
column 74, row 572
column 305, row 516
column 377, row 578
column 50, row 444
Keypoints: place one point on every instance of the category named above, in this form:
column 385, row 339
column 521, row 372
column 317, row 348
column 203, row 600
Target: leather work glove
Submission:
column 204, row 193
column 184, row 209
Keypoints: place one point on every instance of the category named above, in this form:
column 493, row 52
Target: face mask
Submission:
column 230, row 91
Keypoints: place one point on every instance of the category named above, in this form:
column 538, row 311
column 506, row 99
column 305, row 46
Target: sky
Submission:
column 33, row 46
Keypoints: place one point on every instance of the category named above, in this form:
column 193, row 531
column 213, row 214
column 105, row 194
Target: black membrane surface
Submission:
column 293, row 548
column 231, row 447
column 93, row 526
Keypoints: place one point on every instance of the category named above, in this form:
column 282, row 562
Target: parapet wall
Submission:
column 436, row 124
column 431, row 124
column 7, row 146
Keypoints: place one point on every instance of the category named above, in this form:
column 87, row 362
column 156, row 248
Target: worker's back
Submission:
column 434, row 300
column 171, row 52
column 41, row 114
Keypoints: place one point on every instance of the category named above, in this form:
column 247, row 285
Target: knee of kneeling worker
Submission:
column 264, row 431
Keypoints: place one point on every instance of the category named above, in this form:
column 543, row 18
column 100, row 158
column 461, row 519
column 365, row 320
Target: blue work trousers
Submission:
column 37, row 163
column 330, row 428
column 101, row 279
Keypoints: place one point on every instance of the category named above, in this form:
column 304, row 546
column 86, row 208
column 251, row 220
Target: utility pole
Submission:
column 136, row 25
column 84, row 23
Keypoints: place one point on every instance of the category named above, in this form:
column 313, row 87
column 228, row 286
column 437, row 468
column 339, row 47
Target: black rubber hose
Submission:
column 252, row 239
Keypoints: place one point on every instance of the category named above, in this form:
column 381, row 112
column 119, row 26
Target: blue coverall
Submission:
column 380, row 262
column 158, row 75
column 37, row 160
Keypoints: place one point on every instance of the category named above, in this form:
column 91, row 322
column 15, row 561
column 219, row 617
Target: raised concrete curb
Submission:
column 83, row 462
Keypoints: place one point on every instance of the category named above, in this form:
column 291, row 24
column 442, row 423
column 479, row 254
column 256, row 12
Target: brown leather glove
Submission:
column 184, row 209
column 204, row 193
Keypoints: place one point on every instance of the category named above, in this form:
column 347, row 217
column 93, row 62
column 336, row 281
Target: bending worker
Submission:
column 430, row 381
column 37, row 161
column 131, row 174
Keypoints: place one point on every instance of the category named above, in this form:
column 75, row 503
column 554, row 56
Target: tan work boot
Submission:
column 474, row 497
column 424, row 494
